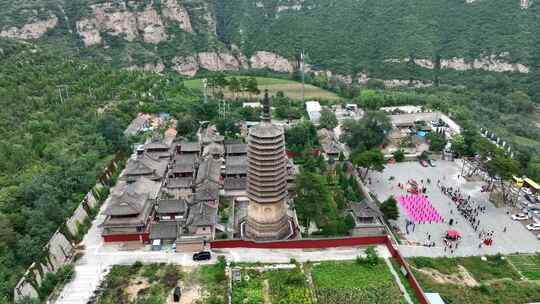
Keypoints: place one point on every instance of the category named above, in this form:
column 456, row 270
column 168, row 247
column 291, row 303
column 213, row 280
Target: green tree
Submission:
column 502, row 167
column 186, row 125
column 312, row 198
column 533, row 169
column 368, row 132
column 370, row 160
column 300, row 136
column 252, row 86
column 458, row 145
column 399, row 155
column 234, row 86
column 437, row 141
column 328, row 119
column 389, row 209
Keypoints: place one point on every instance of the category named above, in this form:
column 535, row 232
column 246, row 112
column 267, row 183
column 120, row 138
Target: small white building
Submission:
column 313, row 109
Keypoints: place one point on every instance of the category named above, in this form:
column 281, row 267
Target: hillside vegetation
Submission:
column 61, row 121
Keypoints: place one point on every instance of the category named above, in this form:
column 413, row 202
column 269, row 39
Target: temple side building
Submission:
column 267, row 217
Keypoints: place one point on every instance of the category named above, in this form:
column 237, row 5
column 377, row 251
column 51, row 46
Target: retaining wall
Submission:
column 59, row 250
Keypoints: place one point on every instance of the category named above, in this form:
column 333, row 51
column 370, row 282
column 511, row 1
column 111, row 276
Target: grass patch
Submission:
column 350, row 282
column 213, row 281
column 290, row 88
column 277, row 286
column 493, row 268
column 501, row 292
column 158, row 280
column 528, row 265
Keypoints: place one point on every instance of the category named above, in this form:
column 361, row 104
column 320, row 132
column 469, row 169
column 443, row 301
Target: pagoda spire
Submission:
column 266, row 115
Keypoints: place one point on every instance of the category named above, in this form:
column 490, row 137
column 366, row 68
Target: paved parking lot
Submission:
column 516, row 239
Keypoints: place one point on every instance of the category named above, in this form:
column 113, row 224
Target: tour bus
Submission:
column 529, row 183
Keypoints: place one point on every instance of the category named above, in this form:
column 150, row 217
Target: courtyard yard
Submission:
column 516, row 238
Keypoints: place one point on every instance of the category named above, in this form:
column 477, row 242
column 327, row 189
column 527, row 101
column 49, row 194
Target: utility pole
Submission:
column 205, row 85
column 302, row 72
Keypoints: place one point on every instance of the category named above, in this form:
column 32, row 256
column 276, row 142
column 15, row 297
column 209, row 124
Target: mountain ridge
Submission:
column 348, row 37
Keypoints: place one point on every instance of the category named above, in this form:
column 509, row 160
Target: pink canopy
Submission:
column 452, row 233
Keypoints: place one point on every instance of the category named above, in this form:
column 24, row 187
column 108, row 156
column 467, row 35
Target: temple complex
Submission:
column 267, row 217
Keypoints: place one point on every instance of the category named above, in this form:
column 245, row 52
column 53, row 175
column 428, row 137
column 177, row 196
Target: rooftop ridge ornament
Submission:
column 266, row 116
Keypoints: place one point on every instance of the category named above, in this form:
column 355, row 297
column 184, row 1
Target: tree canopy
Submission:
column 367, row 133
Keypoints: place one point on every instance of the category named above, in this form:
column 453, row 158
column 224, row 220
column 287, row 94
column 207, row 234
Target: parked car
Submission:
column 534, row 210
column 431, row 163
column 423, row 163
column 201, row 256
column 534, row 226
column 520, row 217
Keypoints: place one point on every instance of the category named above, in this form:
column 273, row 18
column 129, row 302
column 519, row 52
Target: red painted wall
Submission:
column 141, row 237
column 299, row 244
column 410, row 277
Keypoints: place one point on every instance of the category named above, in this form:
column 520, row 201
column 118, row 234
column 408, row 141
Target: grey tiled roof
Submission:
column 179, row 182
column 202, row 214
column 365, row 209
column 163, row 230
column 190, row 147
column 235, row 183
column 171, row 206
column 126, row 204
column 146, row 164
column 236, row 149
column 236, row 165
column 207, row 192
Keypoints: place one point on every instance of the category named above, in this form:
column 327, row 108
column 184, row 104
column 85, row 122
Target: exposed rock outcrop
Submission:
column 149, row 67
column 490, row 63
column 187, row 66
column 173, row 11
column 214, row 61
column 487, row 63
column 271, row 61
column 128, row 20
column 222, row 61
column 32, row 30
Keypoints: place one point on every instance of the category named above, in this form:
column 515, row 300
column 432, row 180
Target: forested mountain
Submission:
column 344, row 36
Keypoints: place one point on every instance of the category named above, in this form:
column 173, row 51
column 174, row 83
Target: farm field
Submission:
column 527, row 265
column 351, row 282
column 290, row 88
column 471, row 280
column 258, row 285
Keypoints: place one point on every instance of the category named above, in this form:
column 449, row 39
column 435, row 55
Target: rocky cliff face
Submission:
column 221, row 61
column 492, row 63
column 131, row 21
column 183, row 36
column 31, row 30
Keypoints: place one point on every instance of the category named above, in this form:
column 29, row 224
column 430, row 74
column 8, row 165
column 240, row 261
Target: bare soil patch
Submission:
column 463, row 277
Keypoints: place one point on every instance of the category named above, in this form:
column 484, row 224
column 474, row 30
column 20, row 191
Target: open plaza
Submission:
column 508, row 236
